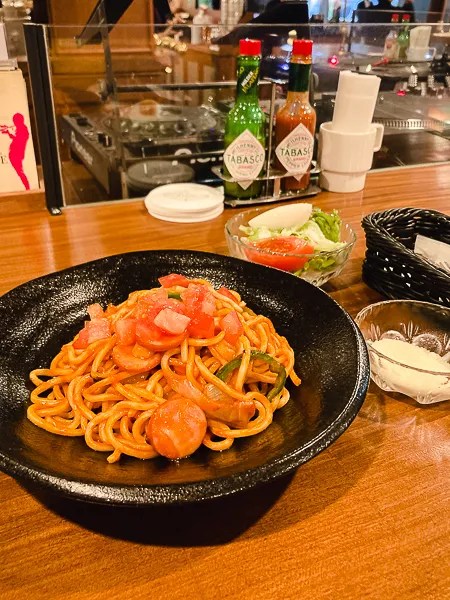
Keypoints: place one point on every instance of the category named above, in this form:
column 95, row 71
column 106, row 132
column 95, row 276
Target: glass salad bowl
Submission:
column 292, row 253
column 409, row 348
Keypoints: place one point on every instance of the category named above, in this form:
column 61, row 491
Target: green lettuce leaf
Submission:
column 319, row 263
column 312, row 233
column 330, row 224
column 259, row 233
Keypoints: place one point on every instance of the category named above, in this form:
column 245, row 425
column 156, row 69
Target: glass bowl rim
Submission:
column 346, row 246
column 361, row 314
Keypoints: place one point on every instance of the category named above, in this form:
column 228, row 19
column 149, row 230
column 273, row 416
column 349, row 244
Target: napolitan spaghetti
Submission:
column 164, row 372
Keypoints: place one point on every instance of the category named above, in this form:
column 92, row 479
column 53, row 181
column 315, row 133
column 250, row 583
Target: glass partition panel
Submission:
column 138, row 106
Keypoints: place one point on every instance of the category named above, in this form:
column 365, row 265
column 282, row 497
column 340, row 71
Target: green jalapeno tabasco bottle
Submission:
column 244, row 155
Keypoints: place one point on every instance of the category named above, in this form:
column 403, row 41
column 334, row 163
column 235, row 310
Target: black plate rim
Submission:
column 181, row 493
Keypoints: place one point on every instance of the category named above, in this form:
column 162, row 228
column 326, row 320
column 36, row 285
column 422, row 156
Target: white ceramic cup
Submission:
column 345, row 158
column 420, row 54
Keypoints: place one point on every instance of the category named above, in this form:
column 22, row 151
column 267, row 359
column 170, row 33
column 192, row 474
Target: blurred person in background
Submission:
column 336, row 17
column 382, row 12
column 273, row 19
column 408, row 8
column 361, row 14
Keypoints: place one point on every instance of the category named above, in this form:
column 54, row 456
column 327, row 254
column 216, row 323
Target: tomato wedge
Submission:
column 173, row 280
column 280, row 246
column 232, row 326
column 124, row 358
column 126, row 332
column 172, row 322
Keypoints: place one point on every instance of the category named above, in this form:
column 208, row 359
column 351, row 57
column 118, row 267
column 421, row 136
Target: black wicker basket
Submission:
column 392, row 268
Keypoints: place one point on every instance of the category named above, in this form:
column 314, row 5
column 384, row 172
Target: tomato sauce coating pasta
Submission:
column 165, row 371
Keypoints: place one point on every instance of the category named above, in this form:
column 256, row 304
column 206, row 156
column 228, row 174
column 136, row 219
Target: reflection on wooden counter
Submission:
column 368, row 518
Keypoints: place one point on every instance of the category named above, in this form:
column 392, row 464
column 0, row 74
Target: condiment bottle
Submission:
column 403, row 38
column 296, row 121
column 390, row 44
column 245, row 127
column 200, row 20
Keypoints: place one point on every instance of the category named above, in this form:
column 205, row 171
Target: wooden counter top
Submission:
column 367, row 518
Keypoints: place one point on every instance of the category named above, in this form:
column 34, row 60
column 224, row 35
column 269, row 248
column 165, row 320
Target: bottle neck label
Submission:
column 299, row 74
column 244, row 159
column 247, row 81
column 295, row 152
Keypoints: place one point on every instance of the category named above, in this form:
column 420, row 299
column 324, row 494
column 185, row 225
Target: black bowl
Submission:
column 40, row 316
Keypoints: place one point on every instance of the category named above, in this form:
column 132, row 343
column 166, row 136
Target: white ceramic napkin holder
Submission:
column 345, row 158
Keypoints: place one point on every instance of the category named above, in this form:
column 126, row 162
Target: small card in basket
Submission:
column 436, row 252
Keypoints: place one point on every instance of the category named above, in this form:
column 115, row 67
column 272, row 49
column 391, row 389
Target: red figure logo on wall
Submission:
column 19, row 135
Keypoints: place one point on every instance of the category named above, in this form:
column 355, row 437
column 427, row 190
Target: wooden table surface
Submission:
column 367, row 518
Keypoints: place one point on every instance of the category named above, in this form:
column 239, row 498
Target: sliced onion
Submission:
column 137, row 378
column 215, row 394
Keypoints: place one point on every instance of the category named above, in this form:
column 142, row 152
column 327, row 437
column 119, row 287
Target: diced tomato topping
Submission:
column 82, row 340
column 126, row 332
column 198, row 297
column 200, row 307
column 172, row 322
column 143, row 309
column 174, row 305
column 281, row 246
column 95, row 311
column 124, row 358
column 98, row 329
column 154, row 295
column 209, row 304
column 150, row 336
column 232, row 326
column 173, row 280
column 226, row 292
column 146, row 329
column 148, row 308
column 177, row 428
column 201, row 326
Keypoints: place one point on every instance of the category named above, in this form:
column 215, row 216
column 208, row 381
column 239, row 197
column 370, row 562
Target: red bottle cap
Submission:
column 302, row 47
column 395, row 18
column 406, row 18
column 249, row 47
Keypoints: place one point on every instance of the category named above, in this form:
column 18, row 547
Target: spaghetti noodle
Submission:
column 165, row 371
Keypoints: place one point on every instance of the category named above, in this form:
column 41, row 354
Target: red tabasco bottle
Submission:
column 296, row 121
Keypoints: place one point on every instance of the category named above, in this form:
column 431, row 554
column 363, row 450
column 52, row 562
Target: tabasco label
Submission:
column 295, row 152
column 247, row 78
column 244, row 158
